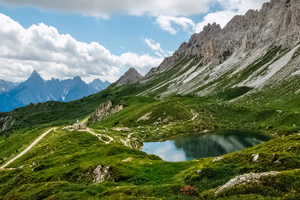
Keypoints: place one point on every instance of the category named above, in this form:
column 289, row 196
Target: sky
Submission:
column 100, row 38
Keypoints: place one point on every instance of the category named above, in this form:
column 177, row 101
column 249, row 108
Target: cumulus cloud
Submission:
column 166, row 23
column 103, row 9
column 155, row 46
column 41, row 47
column 241, row 6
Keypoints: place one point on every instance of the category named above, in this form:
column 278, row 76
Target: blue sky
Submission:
column 101, row 39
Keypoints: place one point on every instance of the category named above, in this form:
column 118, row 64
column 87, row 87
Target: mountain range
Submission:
column 256, row 52
column 6, row 86
column 35, row 89
column 243, row 77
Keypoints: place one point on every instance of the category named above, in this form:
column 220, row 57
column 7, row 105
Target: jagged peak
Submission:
column 77, row 78
column 130, row 76
column 210, row 27
column 276, row 23
column 35, row 75
column 97, row 80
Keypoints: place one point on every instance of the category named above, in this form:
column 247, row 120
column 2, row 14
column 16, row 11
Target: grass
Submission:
column 61, row 165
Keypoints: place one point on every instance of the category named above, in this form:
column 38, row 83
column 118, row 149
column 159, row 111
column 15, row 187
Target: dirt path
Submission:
column 100, row 136
column 195, row 115
column 127, row 141
column 27, row 149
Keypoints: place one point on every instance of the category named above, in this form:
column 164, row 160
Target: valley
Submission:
column 241, row 80
column 63, row 164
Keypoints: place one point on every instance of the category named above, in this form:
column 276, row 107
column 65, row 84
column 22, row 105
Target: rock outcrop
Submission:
column 101, row 173
column 6, row 121
column 104, row 111
column 131, row 76
column 276, row 24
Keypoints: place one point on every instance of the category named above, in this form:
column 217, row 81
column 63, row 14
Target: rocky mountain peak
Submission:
column 97, row 81
column 277, row 23
column 131, row 76
column 77, row 79
column 35, row 75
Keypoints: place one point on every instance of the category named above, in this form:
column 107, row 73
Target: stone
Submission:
column 101, row 173
column 217, row 159
column 131, row 76
column 255, row 157
column 104, row 111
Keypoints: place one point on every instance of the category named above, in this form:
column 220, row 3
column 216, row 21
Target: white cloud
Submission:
column 158, row 54
column 166, row 23
column 41, row 47
column 170, row 52
column 103, row 9
column 241, row 6
column 230, row 8
column 154, row 46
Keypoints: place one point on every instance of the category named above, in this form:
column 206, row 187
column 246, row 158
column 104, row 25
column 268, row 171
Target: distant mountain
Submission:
column 131, row 76
column 6, row 86
column 35, row 89
column 97, row 84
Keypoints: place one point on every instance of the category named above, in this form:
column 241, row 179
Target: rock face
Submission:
column 256, row 51
column 101, row 173
column 276, row 24
column 6, row 121
column 131, row 76
column 104, row 111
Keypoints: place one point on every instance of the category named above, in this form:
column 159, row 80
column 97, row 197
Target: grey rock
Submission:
column 131, row 76
column 276, row 24
column 104, row 111
column 101, row 173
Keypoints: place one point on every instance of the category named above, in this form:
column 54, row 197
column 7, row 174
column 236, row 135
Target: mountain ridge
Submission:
column 254, row 50
column 35, row 89
column 279, row 18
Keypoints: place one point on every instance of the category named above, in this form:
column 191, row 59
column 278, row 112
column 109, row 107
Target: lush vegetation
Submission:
column 65, row 164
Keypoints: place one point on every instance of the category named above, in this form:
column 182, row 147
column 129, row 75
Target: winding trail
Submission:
column 99, row 136
column 127, row 141
column 195, row 115
column 27, row 149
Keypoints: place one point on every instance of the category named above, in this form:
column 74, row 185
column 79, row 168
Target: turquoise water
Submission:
column 200, row 146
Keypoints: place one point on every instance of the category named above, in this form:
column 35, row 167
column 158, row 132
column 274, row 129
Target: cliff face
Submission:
column 276, row 24
column 259, row 51
column 104, row 111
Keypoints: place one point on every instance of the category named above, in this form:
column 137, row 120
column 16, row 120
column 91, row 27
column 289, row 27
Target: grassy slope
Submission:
column 61, row 165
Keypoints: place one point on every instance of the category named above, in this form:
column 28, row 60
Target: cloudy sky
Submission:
column 101, row 38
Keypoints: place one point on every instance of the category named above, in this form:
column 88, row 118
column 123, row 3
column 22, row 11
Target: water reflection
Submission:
column 200, row 146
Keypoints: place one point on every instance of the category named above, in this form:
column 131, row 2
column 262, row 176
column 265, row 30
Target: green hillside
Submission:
column 61, row 165
column 105, row 160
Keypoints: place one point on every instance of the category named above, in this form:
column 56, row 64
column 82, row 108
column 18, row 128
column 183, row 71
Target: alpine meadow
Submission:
column 219, row 118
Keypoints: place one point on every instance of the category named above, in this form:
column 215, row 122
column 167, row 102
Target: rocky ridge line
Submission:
column 277, row 23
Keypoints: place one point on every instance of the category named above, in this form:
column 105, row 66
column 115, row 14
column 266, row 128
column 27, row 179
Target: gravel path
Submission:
column 27, row 149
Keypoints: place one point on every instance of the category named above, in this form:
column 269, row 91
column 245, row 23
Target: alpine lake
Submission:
column 188, row 147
